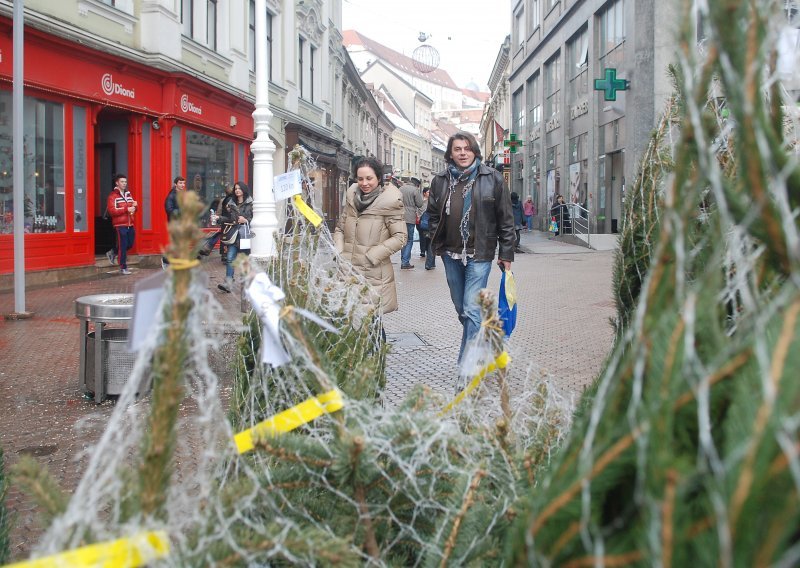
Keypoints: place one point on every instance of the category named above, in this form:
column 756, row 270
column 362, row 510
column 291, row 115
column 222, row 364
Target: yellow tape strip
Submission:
column 182, row 263
column 131, row 552
column 501, row 362
column 290, row 419
column 307, row 212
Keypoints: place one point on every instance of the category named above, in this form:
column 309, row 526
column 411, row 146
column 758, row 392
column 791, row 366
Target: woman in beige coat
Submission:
column 371, row 228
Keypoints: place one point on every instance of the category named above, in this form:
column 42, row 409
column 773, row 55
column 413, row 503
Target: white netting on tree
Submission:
column 401, row 485
column 684, row 452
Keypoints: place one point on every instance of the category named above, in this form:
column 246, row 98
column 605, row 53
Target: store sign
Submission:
column 552, row 124
column 189, row 106
column 579, row 109
column 111, row 87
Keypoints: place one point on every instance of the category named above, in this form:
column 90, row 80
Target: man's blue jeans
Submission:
column 465, row 282
column 405, row 253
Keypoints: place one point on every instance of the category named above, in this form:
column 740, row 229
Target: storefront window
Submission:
column 43, row 155
column 209, row 168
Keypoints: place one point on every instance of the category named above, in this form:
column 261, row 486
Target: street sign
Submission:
column 610, row 84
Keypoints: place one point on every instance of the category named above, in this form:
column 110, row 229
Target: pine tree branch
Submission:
column 608, row 457
column 469, row 499
column 37, row 481
column 626, row 559
column 371, row 542
column 764, row 413
column 168, row 369
column 667, row 514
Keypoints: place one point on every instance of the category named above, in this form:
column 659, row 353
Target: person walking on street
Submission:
column 423, row 228
column 412, row 202
column 470, row 214
column 238, row 211
column 121, row 207
column 560, row 211
column 213, row 239
column 528, row 210
column 519, row 220
column 371, row 228
column 172, row 207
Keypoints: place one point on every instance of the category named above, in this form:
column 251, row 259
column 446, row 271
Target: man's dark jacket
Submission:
column 491, row 220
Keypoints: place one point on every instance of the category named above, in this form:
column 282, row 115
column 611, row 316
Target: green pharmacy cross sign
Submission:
column 512, row 143
column 610, row 84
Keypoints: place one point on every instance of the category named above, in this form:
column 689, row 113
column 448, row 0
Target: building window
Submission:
column 612, row 27
column 518, row 112
column 311, row 58
column 211, row 24
column 578, row 65
column 534, row 103
column 301, row 46
column 209, row 167
column 43, row 157
column 402, row 160
column 519, row 27
column 535, row 15
column 187, row 10
column 552, row 87
column 252, row 40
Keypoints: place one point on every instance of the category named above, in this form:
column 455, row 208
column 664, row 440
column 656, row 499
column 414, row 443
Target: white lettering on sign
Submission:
column 112, row 88
column 189, row 106
column 552, row 124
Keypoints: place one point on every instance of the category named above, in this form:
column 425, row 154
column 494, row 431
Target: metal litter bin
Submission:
column 105, row 363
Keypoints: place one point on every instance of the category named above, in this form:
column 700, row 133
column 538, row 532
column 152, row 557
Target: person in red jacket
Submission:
column 121, row 207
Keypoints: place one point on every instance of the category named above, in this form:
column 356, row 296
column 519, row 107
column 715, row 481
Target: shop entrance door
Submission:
column 111, row 158
column 616, row 185
column 105, row 165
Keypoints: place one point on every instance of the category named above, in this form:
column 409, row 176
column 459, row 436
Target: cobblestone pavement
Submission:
column 563, row 329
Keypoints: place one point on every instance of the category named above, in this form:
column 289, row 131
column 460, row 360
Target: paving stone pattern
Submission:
column 563, row 330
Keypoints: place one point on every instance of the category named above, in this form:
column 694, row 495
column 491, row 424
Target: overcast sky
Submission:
column 467, row 33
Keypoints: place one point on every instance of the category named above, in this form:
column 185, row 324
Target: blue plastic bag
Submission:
column 507, row 302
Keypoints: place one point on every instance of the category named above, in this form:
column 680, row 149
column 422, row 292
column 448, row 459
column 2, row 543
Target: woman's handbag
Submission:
column 230, row 231
column 553, row 225
column 244, row 237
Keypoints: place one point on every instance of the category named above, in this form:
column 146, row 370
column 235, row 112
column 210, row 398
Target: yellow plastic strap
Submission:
column 307, row 212
column 182, row 263
column 501, row 362
column 290, row 419
column 138, row 550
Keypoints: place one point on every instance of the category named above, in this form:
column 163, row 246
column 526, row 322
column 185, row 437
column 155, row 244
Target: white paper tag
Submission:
column 286, row 185
column 147, row 296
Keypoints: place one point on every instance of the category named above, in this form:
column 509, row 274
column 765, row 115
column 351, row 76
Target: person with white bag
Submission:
column 235, row 220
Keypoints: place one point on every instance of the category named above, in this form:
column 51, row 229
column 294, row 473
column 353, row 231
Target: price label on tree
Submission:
column 286, row 185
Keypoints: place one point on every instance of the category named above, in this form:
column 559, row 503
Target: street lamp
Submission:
column 265, row 220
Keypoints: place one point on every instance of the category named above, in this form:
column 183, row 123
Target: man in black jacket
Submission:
column 470, row 214
column 172, row 208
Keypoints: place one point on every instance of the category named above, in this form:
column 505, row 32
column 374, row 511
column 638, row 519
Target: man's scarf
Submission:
column 456, row 176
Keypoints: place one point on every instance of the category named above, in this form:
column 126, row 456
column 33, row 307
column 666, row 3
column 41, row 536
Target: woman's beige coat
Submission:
column 369, row 238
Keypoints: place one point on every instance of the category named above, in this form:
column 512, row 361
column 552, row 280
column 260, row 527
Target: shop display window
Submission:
column 209, row 169
column 43, row 156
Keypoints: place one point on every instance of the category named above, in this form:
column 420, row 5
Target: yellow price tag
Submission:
column 288, row 420
column 307, row 212
column 137, row 550
column 501, row 362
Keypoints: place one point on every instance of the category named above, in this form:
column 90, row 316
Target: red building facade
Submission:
column 89, row 115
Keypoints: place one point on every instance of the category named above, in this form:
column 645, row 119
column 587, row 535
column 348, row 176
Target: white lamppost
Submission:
column 265, row 220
